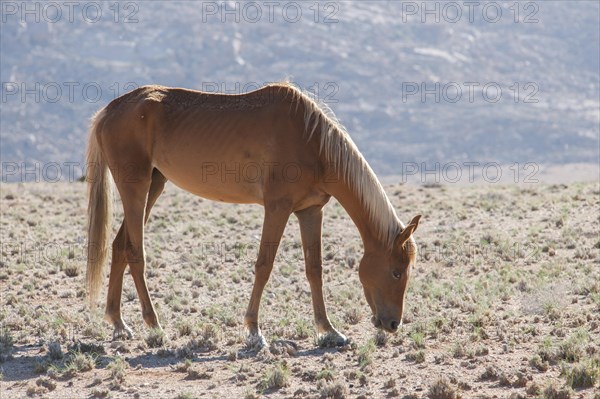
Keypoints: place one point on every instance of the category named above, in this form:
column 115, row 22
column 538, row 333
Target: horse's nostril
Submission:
column 394, row 325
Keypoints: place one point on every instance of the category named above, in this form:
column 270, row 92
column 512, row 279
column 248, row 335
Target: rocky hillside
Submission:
column 376, row 64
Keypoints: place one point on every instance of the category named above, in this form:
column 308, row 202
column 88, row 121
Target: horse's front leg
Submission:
column 277, row 214
column 311, row 221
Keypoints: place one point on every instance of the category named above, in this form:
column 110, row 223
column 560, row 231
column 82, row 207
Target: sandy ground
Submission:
column 504, row 301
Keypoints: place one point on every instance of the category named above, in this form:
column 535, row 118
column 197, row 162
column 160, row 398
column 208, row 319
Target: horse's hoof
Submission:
column 333, row 339
column 255, row 342
column 122, row 332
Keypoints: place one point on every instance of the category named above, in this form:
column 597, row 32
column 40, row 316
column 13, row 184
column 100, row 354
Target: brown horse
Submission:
column 275, row 147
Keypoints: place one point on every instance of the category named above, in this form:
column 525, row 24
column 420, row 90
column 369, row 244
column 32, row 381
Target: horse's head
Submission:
column 384, row 277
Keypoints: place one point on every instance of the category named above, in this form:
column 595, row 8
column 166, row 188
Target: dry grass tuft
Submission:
column 583, row 375
column 275, row 378
column 118, row 368
column 71, row 270
column 552, row 393
column 47, row 383
column 54, row 350
column 332, row 390
column 194, row 374
column 6, row 344
column 155, row 338
column 441, row 389
column 365, row 353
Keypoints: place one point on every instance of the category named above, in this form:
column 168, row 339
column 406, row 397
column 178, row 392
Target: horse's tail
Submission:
column 99, row 209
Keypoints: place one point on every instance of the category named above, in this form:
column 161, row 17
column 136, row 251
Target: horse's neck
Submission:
column 356, row 186
column 359, row 213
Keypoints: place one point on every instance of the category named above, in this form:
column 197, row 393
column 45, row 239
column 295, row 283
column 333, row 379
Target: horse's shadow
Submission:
column 29, row 362
column 151, row 360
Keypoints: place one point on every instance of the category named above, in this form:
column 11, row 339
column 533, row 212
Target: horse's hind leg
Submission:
column 115, row 286
column 311, row 221
column 120, row 259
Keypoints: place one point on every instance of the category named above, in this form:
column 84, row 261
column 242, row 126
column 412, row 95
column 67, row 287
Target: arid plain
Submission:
column 504, row 301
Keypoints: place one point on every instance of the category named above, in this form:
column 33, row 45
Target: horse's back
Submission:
column 230, row 148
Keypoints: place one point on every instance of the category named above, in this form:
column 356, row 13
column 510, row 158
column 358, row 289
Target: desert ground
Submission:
column 504, row 301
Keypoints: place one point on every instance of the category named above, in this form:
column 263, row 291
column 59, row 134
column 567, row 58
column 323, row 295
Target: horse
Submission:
column 296, row 155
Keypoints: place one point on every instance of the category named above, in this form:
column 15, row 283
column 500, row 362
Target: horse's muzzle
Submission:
column 390, row 326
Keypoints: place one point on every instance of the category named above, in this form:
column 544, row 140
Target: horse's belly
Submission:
column 218, row 181
column 233, row 164
column 241, row 193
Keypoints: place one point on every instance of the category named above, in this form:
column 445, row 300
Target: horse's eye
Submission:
column 397, row 274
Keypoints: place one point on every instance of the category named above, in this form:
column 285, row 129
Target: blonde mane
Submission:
column 340, row 151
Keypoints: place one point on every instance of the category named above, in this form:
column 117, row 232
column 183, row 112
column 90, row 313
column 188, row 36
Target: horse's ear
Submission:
column 415, row 221
column 408, row 231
